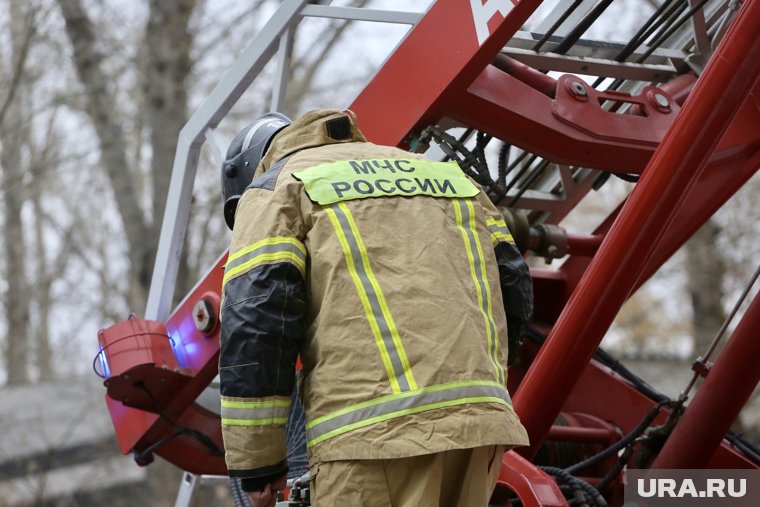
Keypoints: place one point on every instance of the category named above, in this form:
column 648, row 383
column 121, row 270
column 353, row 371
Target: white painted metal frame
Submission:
column 276, row 35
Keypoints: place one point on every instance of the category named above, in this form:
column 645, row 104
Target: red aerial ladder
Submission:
column 676, row 109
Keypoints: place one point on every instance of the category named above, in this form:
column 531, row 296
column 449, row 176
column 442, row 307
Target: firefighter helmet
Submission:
column 243, row 156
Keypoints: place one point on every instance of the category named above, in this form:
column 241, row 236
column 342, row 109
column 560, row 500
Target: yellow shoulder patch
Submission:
column 360, row 179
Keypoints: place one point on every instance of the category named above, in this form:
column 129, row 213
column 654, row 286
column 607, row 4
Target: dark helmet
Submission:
column 243, row 156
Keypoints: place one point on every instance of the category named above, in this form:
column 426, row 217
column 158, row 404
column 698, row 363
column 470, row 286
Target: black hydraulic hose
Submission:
column 614, row 471
column 557, row 24
column 481, row 166
column 581, row 27
column 620, row 444
column 503, row 158
column 461, row 139
column 587, row 488
column 641, row 385
column 609, row 360
column 751, row 451
column 238, row 495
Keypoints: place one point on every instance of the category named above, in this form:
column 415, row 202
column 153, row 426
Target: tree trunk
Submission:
column 42, row 352
column 705, row 268
column 101, row 106
column 168, row 43
column 12, row 131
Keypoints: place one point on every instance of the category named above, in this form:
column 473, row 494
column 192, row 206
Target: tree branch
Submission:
column 19, row 64
column 100, row 104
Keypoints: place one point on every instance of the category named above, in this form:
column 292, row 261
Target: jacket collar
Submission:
column 311, row 130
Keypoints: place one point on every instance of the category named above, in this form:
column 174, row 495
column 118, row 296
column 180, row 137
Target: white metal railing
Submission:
column 275, row 37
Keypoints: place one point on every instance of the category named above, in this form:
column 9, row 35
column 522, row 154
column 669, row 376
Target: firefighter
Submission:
column 386, row 272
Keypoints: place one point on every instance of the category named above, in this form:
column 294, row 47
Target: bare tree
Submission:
column 13, row 131
column 706, row 269
column 167, row 43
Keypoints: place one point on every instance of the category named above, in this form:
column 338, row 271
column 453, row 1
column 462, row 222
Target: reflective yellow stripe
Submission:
column 255, row 404
column 266, row 251
column 499, row 231
column 373, row 300
column 255, row 422
column 489, row 299
column 364, row 300
column 381, row 298
column 398, row 405
column 465, row 218
column 242, row 412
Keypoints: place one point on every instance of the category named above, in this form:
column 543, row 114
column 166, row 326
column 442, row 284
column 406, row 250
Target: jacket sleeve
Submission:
column 514, row 277
column 262, row 329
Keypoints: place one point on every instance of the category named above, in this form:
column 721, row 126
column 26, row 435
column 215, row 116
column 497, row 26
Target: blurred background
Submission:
column 93, row 94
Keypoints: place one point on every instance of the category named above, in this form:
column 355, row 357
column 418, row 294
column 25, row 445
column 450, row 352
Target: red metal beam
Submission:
column 725, row 84
column 137, row 430
column 533, row 486
column 582, row 133
column 438, row 59
column 719, row 400
column 582, row 434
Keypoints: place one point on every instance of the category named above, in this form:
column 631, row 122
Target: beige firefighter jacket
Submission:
column 379, row 268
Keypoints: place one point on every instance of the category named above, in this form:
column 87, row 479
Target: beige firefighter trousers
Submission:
column 461, row 478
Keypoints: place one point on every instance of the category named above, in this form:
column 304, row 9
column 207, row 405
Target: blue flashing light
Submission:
column 177, row 347
column 104, row 369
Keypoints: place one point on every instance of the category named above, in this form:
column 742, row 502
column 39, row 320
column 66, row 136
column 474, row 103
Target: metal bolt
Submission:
column 203, row 316
column 578, row 89
column 661, row 100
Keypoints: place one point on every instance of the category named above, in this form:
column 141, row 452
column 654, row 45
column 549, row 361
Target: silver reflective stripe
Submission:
column 266, row 249
column 478, row 271
column 398, row 405
column 377, row 312
column 257, row 414
column 498, row 228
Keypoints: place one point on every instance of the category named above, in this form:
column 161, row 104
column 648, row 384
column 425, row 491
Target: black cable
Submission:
column 668, row 19
column 646, row 30
column 461, row 139
column 671, row 30
column 557, row 24
column 620, row 444
column 538, row 171
column 525, row 166
column 615, row 470
column 582, row 26
column 641, row 385
column 238, row 495
column 747, row 447
column 481, row 165
column 611, row 362
column 503, row 158
column 667, row 24
column 750, row 450
column 587, row 488
column 652, row 24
